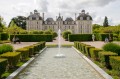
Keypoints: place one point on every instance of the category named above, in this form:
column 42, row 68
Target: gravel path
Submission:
column 22, row 44
column 46, row 66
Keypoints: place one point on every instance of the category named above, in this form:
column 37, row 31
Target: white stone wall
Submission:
column 81, row 26
column 84, row 26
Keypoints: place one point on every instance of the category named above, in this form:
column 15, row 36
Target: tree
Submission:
column 13, row 29
column 54, row 35
column 65, row 34
column 2, row 24
column 105, row 23
column 20, row 21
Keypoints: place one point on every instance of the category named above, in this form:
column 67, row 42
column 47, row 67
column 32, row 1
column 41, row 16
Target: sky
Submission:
column 98, row 9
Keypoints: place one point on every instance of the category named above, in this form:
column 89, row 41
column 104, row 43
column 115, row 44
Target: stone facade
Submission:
column 82, row 24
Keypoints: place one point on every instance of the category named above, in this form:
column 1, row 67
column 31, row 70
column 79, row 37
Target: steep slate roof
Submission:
column 69, row 19
column 49, row 20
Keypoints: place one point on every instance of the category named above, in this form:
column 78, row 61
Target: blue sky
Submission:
column 98, row 9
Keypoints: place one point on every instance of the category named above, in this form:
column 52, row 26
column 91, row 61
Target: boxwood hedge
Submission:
column 80, row 37
column 104, row 57
column 33, row 37
column 115, row 63
column 13, row 58
column 3, row 66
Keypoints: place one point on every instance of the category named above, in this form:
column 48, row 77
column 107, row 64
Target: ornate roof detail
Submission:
column 69, row 19
column 84, row 16
column 49, row 20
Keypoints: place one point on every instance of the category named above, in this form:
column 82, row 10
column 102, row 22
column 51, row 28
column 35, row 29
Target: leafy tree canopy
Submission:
column 20, row 21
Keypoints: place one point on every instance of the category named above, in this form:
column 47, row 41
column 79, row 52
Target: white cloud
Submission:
column 98, row 9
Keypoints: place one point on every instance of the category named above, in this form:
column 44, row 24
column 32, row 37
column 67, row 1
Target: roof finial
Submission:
column 59, row 13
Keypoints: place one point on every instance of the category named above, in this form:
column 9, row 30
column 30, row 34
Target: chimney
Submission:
column 43, row 16
column 75, row 16
column 87, row 13
column 31, row 13
column 56, row 18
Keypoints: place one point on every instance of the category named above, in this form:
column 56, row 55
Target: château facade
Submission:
column 82, row 23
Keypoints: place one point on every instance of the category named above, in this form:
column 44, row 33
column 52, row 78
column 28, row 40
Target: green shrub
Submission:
column 101, row 37
column 104, row 58
column 94, row 52
column 54, row 35
column 112, row 47
column 6, row 48
column 24, row 53
column 33, row 37
column 4, row 36
column 87, row 50
column 13, row 58
column 3, row 66
column 65, row 34
column 30, row 50
column 115, row 63
column 83, row 48
column 80, row 37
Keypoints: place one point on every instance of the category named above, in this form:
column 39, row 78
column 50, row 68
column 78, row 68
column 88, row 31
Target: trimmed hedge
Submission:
column 104, row 58
column 13, row 58
column 80, row 37
column 4, row 36
column 33, row 37
column 101, row 37
column 6, row 48
column 112, row 47
column 31, row 50
column 94, row 52
column 115, row 63
column 87, row 50
column 24, row 53
column 3, row 66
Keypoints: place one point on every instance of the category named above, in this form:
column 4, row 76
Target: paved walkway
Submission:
column 46, row 66
column 22, row 44
column 97, row 44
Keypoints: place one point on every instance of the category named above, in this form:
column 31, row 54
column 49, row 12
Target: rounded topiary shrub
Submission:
column 6, row 48
column 112, row 47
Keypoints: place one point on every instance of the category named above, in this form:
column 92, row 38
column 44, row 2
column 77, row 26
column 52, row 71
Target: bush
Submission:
column 80, row 37
column 24, row 53
column 101, row 37
column 31, row 50
column 3, row 66
column 4, row 36
column 37, row 32
column 54, row 35
column 65, row 34
column 87, row 50
column 115, row 63
column 112, row 47
column 33, row 37
column 94, row 52
column 13, row 58
column 6, row 48
column 104, row 58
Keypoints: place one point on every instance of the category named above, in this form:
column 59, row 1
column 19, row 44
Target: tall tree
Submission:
column 20, row 21
column 105, row 23
column 2, row 24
